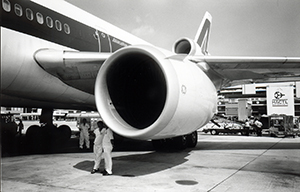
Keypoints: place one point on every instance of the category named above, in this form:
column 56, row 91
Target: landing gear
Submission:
column 192, row 139
column 176, row 143
column 47, row 137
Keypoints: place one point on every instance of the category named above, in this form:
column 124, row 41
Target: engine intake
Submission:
column 137, row 88
column 187, row 46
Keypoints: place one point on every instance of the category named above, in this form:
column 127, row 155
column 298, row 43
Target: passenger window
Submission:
column 39, row 18
column 6, row 5
column 18, row 10
column 29, row 14
column 67, row 28
column 58, row 25
column 49, row 21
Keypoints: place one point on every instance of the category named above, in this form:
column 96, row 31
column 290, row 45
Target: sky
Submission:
column 239, row 27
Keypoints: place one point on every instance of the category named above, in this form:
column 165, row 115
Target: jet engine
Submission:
column 187, row 46
column 141, row 93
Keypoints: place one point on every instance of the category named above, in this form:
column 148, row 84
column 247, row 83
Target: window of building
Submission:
column 39, row 18
column 58, row 25
column 67, row 28
column 6, row 5
column 18, row 10
column 49, row 21
column 29, row 14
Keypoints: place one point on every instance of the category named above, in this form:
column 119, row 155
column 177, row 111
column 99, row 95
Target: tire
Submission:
column 192, row 139
column 36, row 139
column 180, row 142
column 65, row 132
column 159, row 144
column 214, row 132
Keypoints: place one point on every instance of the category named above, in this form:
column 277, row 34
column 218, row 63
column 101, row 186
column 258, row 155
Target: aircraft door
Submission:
column 104, row 41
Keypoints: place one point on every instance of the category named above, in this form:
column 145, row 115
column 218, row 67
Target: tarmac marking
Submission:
column 244, row 166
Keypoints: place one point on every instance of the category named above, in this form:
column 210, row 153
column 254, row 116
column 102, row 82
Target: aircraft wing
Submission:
column 238, row 70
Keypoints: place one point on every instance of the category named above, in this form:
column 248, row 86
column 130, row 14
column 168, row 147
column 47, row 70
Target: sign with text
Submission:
column 280, row 100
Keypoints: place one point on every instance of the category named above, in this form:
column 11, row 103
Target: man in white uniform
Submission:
column 103, row 146
column 107, row 149
column 84, row 128
column 98, row 147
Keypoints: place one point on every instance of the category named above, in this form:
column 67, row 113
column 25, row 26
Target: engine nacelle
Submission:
column 187, row 46
column 142, row 94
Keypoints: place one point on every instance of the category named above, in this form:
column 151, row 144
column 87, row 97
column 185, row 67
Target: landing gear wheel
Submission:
column 192, row 139
column 36, row 139
column 65, row 132
column 180, row 142
column 158, row 144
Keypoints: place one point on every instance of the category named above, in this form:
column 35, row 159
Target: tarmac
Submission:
column 217, row 163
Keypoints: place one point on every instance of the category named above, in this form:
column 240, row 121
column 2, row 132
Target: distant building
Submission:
column 257, row 99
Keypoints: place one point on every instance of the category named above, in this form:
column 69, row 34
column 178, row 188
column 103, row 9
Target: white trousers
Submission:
column 105, row 153
column 84, row 137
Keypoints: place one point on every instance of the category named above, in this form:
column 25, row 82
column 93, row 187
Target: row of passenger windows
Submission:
column 39, row 17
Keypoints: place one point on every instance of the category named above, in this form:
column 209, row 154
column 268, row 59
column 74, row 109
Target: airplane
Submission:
column 55, row 55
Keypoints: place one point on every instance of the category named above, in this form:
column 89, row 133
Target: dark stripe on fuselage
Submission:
column 81, row 36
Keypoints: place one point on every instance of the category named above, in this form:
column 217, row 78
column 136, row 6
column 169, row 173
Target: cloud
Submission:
column 138, row 19
column 143, row 31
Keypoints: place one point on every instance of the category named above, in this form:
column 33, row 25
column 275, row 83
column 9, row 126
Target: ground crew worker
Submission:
column 103, row 149
column 108, row 140
column 98, row 147
column 20, row 126
column 247, row 127
column 84, row 128
column 258, row 126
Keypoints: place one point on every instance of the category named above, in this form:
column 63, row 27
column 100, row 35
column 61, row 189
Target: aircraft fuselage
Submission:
column 28, row 26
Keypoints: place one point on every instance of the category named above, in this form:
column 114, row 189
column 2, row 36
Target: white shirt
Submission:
column 98, row 137
column 108, row 135
column 84, row 127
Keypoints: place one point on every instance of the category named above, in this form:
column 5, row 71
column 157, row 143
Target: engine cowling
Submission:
column 142, row 94
column 186, row 46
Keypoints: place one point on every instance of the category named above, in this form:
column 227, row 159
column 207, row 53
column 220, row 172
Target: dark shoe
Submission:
column 94, row 171
column 105, row 173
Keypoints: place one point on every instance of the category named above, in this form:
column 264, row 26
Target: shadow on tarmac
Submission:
column 153, row 162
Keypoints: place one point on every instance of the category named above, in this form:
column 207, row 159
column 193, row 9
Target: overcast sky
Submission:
column 239, row 27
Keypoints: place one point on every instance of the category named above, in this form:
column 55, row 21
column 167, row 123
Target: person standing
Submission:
column 108, row 141
column 258, row 126
column 84, row 128
column 247, row 127
column 98, row 148
column 20, row 126
column 103, row 149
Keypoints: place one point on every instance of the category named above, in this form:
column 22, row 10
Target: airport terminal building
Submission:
column 260, row 99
